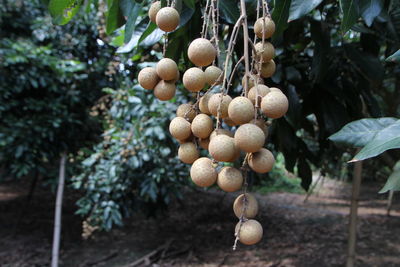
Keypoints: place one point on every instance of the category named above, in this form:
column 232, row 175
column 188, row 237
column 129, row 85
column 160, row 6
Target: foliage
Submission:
column 393, row 182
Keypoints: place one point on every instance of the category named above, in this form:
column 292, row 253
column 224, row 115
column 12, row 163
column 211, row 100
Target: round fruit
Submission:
column 167, row 19
column 177, row 76
column 274, row 105
column 188, row 153
column 250, row 233
column 180, row 128
column 201, row 52
column 268, row 69
column 203, row 104
column 165, row 90
column 261, row 123
column 241, row 110
column 220, row 132
column 249, row 138
column 229, row 122
column 214, row 103
column 269, row 27
column 148, row 78
column 267, row 52
column 166, row 69
column 252, row 81
column 261, row 161
column 202, row 126
column 222, row 148
column 203, row 173
column 213, row 75
column 236, row 156
column 204, row 143
column 186, row 111
column 274, row 89
column 262, row 91
column 230, row 179
column 194, row 79
column 153, row 10
column 251, row 206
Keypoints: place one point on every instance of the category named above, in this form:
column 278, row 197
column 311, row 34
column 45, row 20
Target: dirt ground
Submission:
column 199, row 231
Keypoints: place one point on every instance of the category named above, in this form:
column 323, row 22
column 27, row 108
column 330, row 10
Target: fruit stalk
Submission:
column 246, row 45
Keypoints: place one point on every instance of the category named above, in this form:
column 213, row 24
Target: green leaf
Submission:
column 361, row 132
column 305, row 173
column 230, row 10
column 115, row 18
column 395, row 57
column 350, row 14
column 393, row 182
column 280, row 15
column 370, row 9
column 131, row 22
column 299, row 8
column 190, row 3
column 63, row 11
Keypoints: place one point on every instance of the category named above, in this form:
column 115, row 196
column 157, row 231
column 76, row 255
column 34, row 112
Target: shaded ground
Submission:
column 200, row 231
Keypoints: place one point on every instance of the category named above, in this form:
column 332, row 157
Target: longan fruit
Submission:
column 249, row 138
column 261, row 161
column 263, row 126
column 148, row 78
column 203, row 103
column 204, row 143
column 222, row 148
column 267, row 52
column 178, row 75
column 153, row 10
column 201, row 52
column 194, row 79
column 164, row 90
column 167, row 19
column 274, row 89
column 214, row 102
column 202, row 126
column 188, row 152
column 229, row 122
column 236, row 156
column 251, row 207
column 241, row 110
column 262, row 91
column 186, row 111
column 180, row 128
column 268, row 69
column 252, row 81
column 230, row 179
column 219, row 132
column 250, row 233
column 166, row 69
column 269, row 27
column 213, row 75
column 275, row 105
column 203, row 173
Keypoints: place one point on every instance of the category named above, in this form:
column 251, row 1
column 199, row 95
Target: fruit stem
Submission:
column 246, row 46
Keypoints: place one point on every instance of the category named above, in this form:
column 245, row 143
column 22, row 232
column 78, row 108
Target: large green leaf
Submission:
column 63, row 11
column 134, row 10
column 370, row 9
column 393, row 182
column 115, row 18
column 229, row 10
column 190, row 3
column 350, row 12
column 395, row 57
column 300, row 8
column 305, row 173
column 280, row 15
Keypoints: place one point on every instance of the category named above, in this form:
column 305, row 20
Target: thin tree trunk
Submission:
column 389, row 203
column 57, row 216
column 309, row 193
column 351, row 251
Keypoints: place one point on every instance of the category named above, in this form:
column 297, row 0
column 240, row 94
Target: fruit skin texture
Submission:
column 222, row 148
column 263, row 90
column 250, row 233
column 229, row 122
column 263, row 126
column 251, row 208
column 202, row 126
column 274, row 89
column 268, row 69
column 194, row 79
column 262, row 161
column 249, row 138
column 203, row 173
column 203, row 104
column 186, row 109
column 167, row 19
column 213, row 75
column 252, row 81
column 269, row 27
column 274, row 105
column 153, row 10
column 230, row 179
column 167, row 69
column 188, row 152
column 204, row 143
column 148, row 78
column 165, row 90
column 201, row 52
column 214, row 102
column 221, row 132
column 241, row 110
column 180, row 128
column 267, row 52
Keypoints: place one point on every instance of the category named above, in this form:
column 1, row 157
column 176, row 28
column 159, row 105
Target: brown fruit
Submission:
column 148, row 78
column 269, row 27
column 153, row 10
column 166, row 69
column 263, row 126
column 202, row 126
column 214, row 103
column 267, row 52
column 261, row 161
column 219, row 132
column 167, row 19
column 177, row 76
column 236, row 156
column 180, row 128
column 274, row 89
column 213, row 75
column 268, row 69
column 222, row 148
column 204, row 143
column 262, row 91
column 186, row 111
column 230, row 179
column 250, row 233
column 252, row 81
column 251, row 207
column 203, row 173
column 229, row 122
column 249, row 138
column 188, row 153
column 203, row 103
column 201, row 52
column 274, row 105
column 165, row 90
column 194, row 79
column 241, row 110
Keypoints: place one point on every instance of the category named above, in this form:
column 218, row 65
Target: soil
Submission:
column 199, row 231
